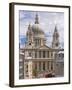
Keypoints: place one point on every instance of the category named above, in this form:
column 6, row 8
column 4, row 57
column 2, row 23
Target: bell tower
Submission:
column 29, row 35
column 55, row 42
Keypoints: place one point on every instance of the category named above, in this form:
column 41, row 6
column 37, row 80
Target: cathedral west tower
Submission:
column 55, row 42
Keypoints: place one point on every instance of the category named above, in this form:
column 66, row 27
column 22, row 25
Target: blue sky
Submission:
column 47, row 21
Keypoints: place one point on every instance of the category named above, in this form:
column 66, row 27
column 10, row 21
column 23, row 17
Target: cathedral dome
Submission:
column 36, row 29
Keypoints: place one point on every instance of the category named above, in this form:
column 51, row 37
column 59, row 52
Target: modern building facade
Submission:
column 37, row 60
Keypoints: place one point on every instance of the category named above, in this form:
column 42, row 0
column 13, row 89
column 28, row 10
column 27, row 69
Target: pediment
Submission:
column 44, row 47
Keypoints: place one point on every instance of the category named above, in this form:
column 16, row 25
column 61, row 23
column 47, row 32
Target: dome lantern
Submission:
column 36, row 19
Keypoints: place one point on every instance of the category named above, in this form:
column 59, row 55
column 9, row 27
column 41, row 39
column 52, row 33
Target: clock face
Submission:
column 29, row 43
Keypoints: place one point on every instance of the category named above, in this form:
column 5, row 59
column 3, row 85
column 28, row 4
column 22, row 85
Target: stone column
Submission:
column 33, row 55
column 41, row 54
column 30, row 68
column 46, row 54
column 49, row 65
column 41, row 66
column 24, row 70
column 37, row 66
column 37, row 54
column 46, row 66
column 53, row 66
column 49, row 54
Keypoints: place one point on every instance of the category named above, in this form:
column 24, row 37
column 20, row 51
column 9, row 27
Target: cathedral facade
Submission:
column 37, row 60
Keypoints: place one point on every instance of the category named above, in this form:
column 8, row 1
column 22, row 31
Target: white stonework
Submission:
column 30, row 68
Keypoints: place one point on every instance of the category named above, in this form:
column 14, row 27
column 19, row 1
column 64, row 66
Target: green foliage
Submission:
column 34, row 72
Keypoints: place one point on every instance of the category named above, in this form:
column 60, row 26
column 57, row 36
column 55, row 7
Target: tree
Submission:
column 35, row 72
